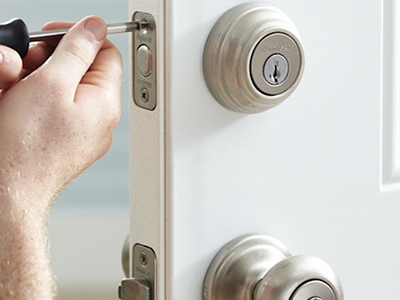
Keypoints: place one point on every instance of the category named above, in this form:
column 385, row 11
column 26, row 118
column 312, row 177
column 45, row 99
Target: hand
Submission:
column 57, row 113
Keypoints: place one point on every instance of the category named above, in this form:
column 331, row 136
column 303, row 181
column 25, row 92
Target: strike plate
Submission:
column 144, row 266
column 145, row 62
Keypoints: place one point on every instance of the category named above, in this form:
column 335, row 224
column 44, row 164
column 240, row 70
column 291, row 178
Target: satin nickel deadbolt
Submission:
column 253, row 58
column 258, row 267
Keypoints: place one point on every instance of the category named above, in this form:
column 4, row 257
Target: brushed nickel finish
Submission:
column 233, row 61
column 259, row 267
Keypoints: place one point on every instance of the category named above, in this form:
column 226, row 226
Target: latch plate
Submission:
column 144, row 266
column 141, row 286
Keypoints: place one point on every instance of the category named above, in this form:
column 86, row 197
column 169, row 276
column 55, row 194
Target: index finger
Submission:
column 10, row 67
column 41, row 51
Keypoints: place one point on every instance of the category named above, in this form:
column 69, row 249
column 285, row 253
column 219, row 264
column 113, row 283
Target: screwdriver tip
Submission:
column 140, row 25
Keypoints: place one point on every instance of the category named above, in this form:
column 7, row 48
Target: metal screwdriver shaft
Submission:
column 58, row 34
column 14, row 34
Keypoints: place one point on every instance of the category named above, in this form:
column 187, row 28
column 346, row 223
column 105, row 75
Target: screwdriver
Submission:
column 15, row 34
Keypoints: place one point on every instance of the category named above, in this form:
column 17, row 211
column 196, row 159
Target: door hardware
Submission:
column 258, row 267
column 276, row 69
column 141, row 286
column 145, row 68
column 134, row 289
column 253, row 58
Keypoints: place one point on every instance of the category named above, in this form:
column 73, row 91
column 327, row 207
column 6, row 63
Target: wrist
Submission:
column 24, row 252
column 21, row 201
column 19, row 217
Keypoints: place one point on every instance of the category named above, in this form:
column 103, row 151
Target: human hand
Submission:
column 56, row 114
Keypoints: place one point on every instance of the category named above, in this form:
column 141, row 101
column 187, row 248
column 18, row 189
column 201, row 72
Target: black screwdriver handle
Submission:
column 15, row 34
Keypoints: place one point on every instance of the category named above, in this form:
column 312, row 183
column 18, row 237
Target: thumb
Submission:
column 10, row 67
column 77, row 50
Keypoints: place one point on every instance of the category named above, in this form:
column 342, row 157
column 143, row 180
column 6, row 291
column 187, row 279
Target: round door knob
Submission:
column 253, row 58
column 258, row 267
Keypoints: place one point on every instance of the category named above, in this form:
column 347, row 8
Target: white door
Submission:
column 320, row 172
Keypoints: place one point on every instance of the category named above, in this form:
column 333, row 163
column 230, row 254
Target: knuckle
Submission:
column 115, row 52
column 115, row 56
column 114, row 115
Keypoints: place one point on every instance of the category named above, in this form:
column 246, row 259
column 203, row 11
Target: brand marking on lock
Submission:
column 276, row 48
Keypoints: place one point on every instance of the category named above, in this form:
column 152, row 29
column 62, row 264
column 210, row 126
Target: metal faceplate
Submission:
column 142, row 284
column 236, row 52
column 145, row 62
column 144, row 266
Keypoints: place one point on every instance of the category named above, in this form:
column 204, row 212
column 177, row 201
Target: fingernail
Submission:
column 1, row 57
column 97, row 28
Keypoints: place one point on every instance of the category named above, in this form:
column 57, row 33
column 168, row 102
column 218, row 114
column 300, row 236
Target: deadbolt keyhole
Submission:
column 277, row 74
column 276, row 69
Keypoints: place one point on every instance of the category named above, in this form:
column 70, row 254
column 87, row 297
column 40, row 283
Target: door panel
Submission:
column 310, row 172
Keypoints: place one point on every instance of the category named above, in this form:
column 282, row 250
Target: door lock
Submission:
column 253, row 58
column 141, row 286
column 258, row 267
column 276, row 69
column 144, row 62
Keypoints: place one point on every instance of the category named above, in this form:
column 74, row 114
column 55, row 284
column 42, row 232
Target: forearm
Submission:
column 25, row 271
column 54, row 123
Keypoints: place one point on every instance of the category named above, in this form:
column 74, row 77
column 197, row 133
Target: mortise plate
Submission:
column 141, row 286
column 145, row 62
column 144, row 266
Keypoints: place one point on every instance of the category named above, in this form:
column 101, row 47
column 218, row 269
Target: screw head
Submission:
column 143, row 259
column 144, row 95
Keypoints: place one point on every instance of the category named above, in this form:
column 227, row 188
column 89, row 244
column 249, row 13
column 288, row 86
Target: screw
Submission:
column 276, row 69
column 144, row 95
column 142, row 24
column 143, row 259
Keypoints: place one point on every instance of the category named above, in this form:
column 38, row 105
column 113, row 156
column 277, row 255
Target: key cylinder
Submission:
column 281, row 57
column 276, row 69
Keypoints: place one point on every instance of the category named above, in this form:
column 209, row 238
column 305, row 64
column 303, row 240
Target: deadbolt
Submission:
column 144, row 42
column 253, row 58
column 258, row 267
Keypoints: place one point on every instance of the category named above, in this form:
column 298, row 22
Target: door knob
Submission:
column 258, row 267
column 253, row 58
